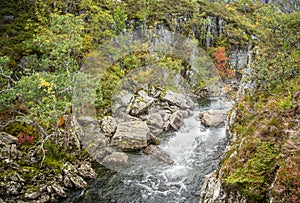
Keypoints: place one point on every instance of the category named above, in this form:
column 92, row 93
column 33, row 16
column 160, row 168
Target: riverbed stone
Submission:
column 178, row 99
column 152, row 139
column 115, row 159
column 102, row 153
column 141, row 103
column 131, row 135
column 155, row 123
column 176, row 120
column 213, row 118
column 158, row 153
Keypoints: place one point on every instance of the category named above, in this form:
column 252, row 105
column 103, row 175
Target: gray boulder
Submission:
column 176, row 120
column 115, row 159
column 141, row 103
column 131, row 135
column 100, row 154
column 213, row 118
column 158, row 153
column 155, row 123
column 180, row 100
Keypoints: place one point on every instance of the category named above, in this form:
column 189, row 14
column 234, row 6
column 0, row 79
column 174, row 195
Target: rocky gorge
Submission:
column 138, row 99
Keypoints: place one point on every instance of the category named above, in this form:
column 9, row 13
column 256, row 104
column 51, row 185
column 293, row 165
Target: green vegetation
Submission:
column 45, row 42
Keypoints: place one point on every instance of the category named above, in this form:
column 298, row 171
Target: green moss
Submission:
column 253, row 177
column 52, row 162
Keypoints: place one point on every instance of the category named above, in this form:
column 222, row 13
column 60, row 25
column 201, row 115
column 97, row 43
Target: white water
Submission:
column 196, row 152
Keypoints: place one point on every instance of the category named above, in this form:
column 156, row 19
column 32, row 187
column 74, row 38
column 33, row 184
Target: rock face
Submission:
column 213, row 118
column 131, row 135
column 158, row 153
column 212, row 191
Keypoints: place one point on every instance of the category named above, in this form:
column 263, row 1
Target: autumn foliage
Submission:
column 221, row 62
column 25, row 139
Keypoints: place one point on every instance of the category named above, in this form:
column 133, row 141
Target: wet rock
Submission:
column 155, row 123
column 167, row 126
column 102, row 153
column 155, row 120
column 115, row 159
column 7, row 138
column 131, row 135
column 180, row 100
column 141, row 103
column 176, row 120
column 78, row 181
column 213, row 118
column 108, row 125
column 153, row 140
column 86, row 171
column 59, row 190
column 158, row 153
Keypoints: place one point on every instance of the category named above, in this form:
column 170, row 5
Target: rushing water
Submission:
column 196, row 152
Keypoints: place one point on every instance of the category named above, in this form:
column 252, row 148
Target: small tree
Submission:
column 221, row 62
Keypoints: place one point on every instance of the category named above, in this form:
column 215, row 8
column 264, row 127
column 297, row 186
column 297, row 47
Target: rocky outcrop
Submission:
column 213, row 192
column 131, row 135
column 213, row 118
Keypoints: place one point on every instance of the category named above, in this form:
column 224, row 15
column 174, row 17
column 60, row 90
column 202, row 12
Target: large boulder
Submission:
column 213, row 118
column 158, row 153
column 131, row 135
column 141, row 103
column 180, row 100
column 115, row 159
column 155, row 123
